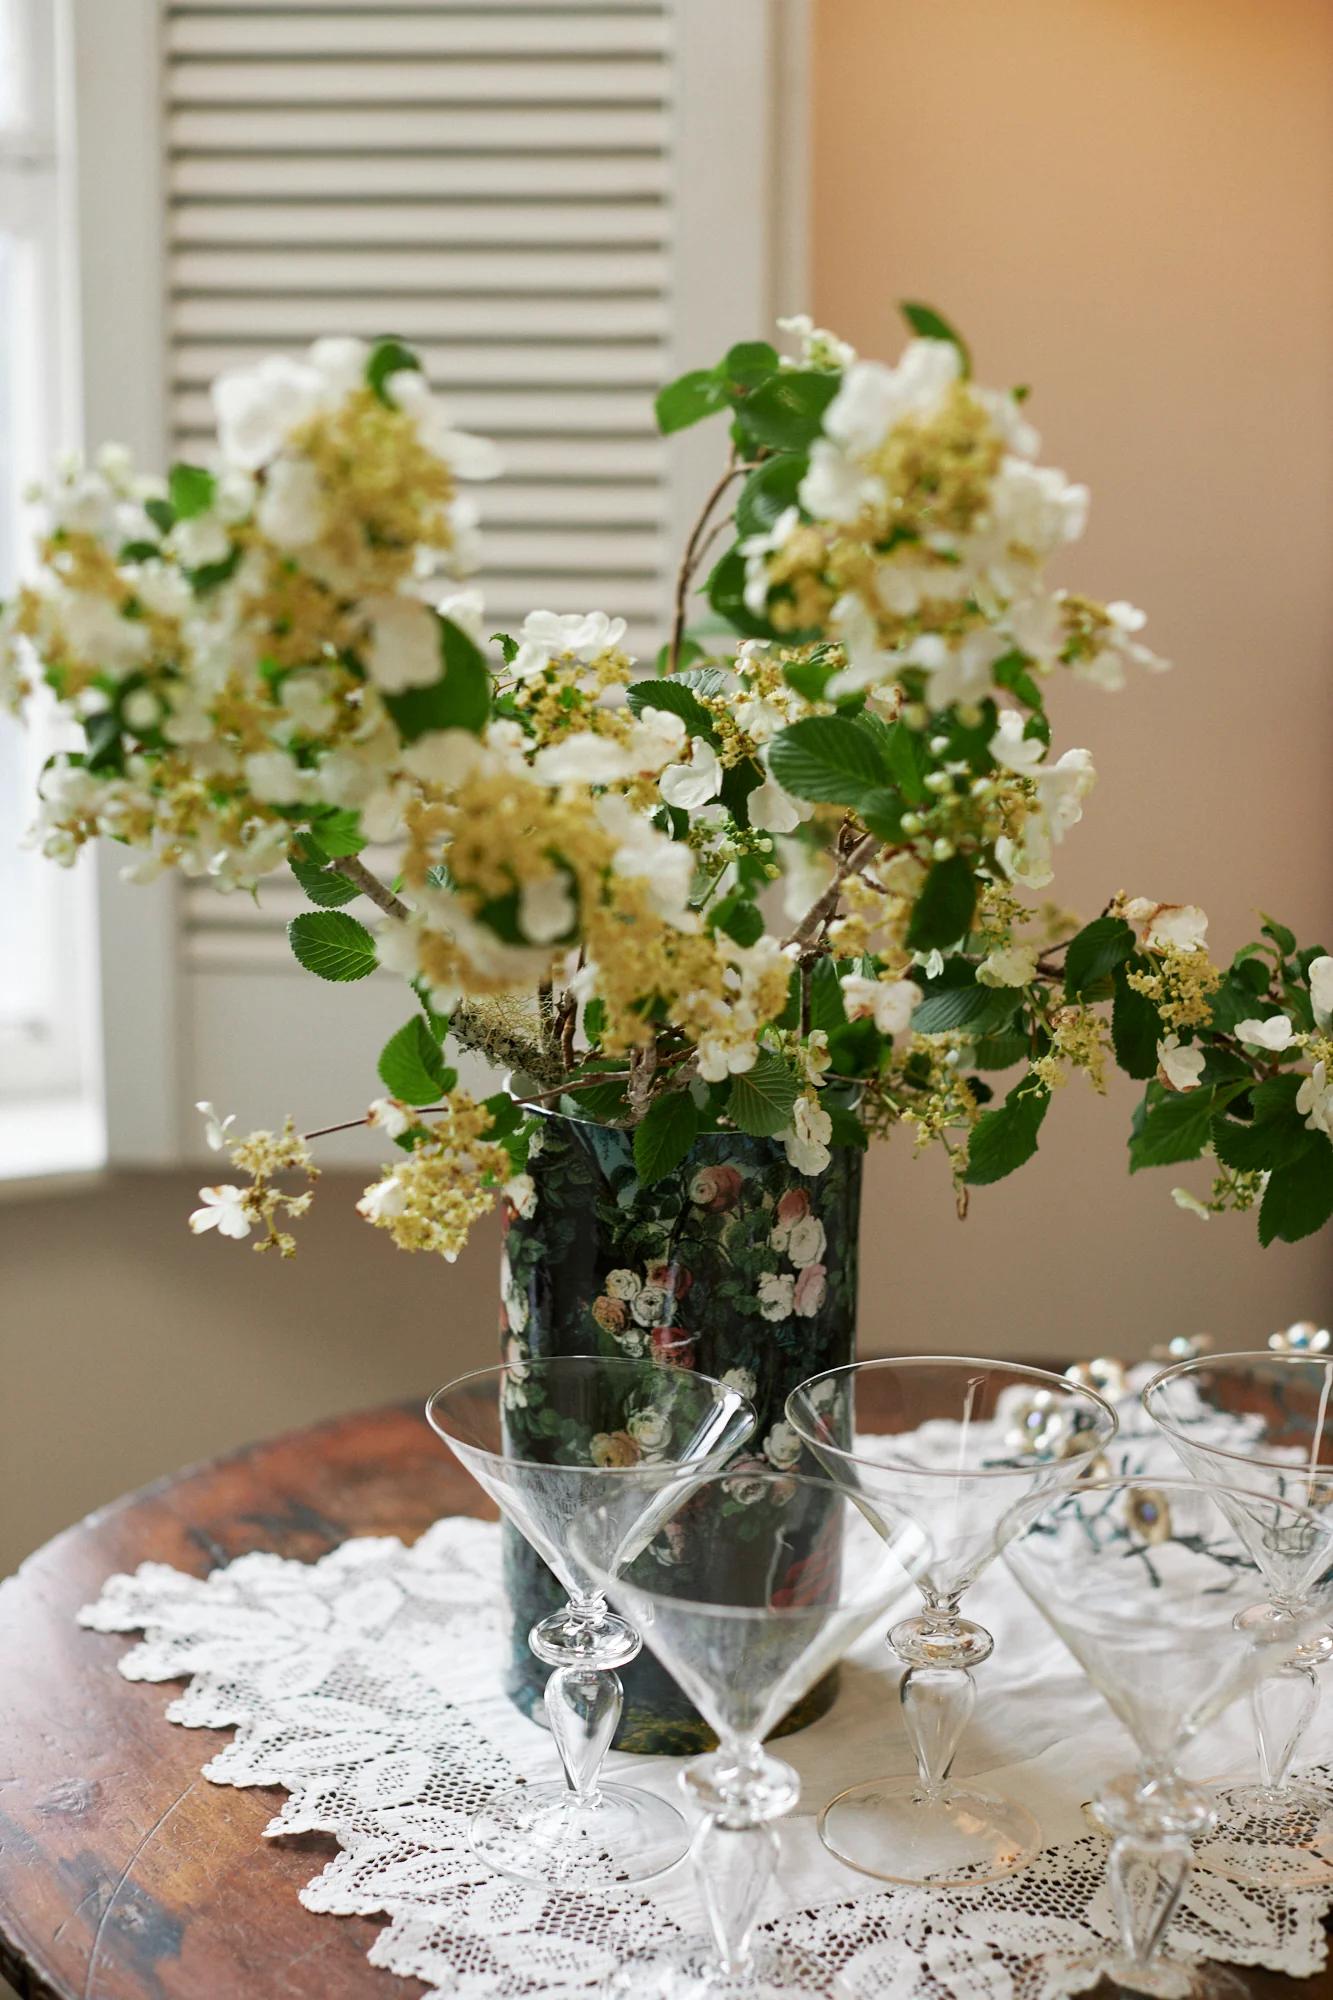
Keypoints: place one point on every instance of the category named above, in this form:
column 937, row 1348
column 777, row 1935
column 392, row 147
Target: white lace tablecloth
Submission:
column 367, row 1686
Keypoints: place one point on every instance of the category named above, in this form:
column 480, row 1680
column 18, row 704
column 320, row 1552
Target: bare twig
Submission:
column 353, row 869
column 689, row 562
column 822, row 910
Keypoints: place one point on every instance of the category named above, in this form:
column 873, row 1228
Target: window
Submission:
column 48, row 1097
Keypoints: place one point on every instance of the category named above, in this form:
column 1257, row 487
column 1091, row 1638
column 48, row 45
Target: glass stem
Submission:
column 734, row 1856
column 1284, row 1705
column 583, row 1707
column 1148, row 1876
column 937, row 1703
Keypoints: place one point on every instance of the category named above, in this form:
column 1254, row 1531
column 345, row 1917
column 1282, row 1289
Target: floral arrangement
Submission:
column 790, row 881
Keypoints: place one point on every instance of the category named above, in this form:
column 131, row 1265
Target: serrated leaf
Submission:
column 332, row 945
column 1262, row 1144
column 725, row 590
column 1284, row 939
column 190, row 489
column 906, row 754
column 1299, row 1198
column 738, row 781
column 1095, row 953
column 677, row 699
column 662, row 1140
column 943, row 911
column 1004, row 1140
column 746, row 365
column 1275, row 1096
column 411, row 1065
column 826, row 758
column 931, row 325
column 387, row 358
column 769, row 492
column 741, row 919
column 322, row 885
column 957, row 1000
column 787, row 411
column 335, row 834
column 1000, row 1051
column 1175, row 1129
column 459, row 699
column 1135, row 1028
column 760, row 1099
column 689, row 399
column 827, row 1011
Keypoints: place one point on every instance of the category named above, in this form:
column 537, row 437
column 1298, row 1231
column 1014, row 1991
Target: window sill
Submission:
column 42, row 1138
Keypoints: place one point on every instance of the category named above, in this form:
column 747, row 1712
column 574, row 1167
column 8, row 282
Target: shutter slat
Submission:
column 361, row 177
column 527, row 503
column 525, row 456
column 406, row 128
column 369, row 33
column 360, row 268
column 284, row 317
column 300, row 225
column 453, row 368
column 465, row 81
column 543, row 411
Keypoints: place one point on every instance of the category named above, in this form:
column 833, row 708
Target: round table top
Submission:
column 124, row 1874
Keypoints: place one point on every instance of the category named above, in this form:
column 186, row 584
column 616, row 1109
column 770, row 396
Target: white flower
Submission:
column 546, row 909
column 742, row 1380
column 215, row 1128
column 688, row 786
column 223, row 1210
column 1179, row 1068
column 782, row 1446
column 1010, row 747
column 390, row 1117
column 806, row 1138
column 819, row 347
column 383, row 1201
column 583, row 759
column 806, row 1240
column 1061, row 790
column 1035, row 511
column 650, row 1430
column 1183, row 925
column 1190, row 1203
column 655, row 738
column 775, row 1292
column 404, row 645
column 275, row 778
column 521, row 1194
column 890, row 1003
column 1009, row 965
column 624, row 1284
column 95, row 631
column 467, row 610
column 292, row 511
column 471, row 457
column 160, row 588
column 445, row 757
column 649, row 1304
column 1275, row 1033
column 549, row 635
column 258, row 408
column 310, row 707
column 1320, row 976
column 199, row 543
column 667, row 865
column 1314, row 1100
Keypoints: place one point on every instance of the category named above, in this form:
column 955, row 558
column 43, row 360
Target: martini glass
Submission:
column 1142, row 1584
column 1279, row 1442
column 746, row 1639
column 552, row 1440
column 951, row 1444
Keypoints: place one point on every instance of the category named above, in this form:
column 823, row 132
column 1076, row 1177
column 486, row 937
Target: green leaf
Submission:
column 1284, row 939
column 412, row 1066
column 726, row 593
column 677, row 699
column 105, row 745
column 668, row 1130
column 1095, row 953
column 826, row 758
column 738, row 917
column 856, row 1048
column 386, row 358
column 746, row 365
column 738, row 781
column 1253, row 974
column 810, row 677
column 1299, row 1198
column 1135, row 1028
column 1176, row 1128
column 882, row 810
column 826, row 1005
column 332, row 945
column 191, row 490
column 594, row 1019
column 958, row 1000
column 337, row 833
column 322, row 885
column 769, row 492
column 847, row 1128
column 460, row 699
column 689, row 399
column 1263, row 1144
column 1275, row 1096
column 760, row 1099
column 930, row 325
column 944, row 908
column 162, row 515
column 786, row 412
column 1000, row 1051
column 907, row 757
column 1005, row 1140
column 1013, row 672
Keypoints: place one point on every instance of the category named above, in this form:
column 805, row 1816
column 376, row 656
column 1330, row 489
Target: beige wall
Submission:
column 1129, row 204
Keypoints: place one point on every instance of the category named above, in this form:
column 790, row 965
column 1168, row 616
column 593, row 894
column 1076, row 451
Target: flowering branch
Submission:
column 353, row 869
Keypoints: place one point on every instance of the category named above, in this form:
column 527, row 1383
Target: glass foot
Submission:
column 691, row 1971
column 1276, row 1838
column 890, row 1829
column 1162, row 1979
column 540, row 1834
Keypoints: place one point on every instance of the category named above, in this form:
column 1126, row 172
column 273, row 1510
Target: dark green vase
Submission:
column 735, row 1265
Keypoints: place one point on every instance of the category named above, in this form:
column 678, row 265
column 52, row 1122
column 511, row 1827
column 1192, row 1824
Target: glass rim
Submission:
column 1197, row 1362
column 669, row 1468
column 770, row 1475
column 1130, row 1482
column 1043, row 1376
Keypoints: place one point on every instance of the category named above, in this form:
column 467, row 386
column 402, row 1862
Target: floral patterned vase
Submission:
column 734, row 1264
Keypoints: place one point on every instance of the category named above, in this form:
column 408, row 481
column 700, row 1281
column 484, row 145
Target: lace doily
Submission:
column 366, row 1686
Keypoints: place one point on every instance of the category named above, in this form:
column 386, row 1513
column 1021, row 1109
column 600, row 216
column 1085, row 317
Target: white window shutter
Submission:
column 560, row 205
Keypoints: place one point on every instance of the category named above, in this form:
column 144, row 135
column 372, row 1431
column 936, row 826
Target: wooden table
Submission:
column 124, row 1875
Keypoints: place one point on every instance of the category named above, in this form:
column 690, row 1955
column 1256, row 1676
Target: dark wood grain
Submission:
column 124, row 1875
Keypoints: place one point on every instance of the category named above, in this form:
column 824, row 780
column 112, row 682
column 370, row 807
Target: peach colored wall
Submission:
column 1129, row 204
